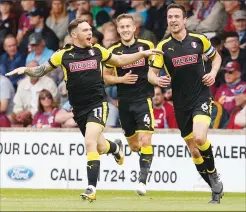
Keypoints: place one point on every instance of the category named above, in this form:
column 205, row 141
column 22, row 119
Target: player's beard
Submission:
column 177, row 31
column 168, row 99
column 158, row 104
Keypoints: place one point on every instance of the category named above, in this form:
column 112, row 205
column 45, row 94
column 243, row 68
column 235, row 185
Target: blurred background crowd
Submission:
column 31, row 31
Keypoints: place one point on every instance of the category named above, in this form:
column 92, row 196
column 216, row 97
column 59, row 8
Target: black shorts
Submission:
column 185, row 120
column 136, row 117
column 97, row 114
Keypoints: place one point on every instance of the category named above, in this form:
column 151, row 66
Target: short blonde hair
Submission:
column 124, row 16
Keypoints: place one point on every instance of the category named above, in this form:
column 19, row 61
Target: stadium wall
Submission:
column 56, row 159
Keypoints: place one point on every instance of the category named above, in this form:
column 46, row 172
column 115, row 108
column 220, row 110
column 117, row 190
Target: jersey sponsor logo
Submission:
column 185, row 60
column 138, row 63
column 120, row 52
column 91, row 52
column 83, row 65
column 140, row 48
column 194, row 44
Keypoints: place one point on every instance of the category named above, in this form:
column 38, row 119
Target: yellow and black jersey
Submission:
column 142, row 89
column 183, row 61
column 82, row 73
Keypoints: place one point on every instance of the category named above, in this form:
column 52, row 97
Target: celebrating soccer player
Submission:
column 183, row 62
column 81, row 64
column 134, row 94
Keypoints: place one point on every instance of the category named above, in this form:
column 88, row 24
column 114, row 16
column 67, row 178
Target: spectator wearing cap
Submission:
column 39, row 51
column 225, row 94
column 7, row 21
column 236, row 53
column 238, row 115
column 58, row 19
column 38, row 24
column 11, row 59
column 24, row 20
column 26, row 97
column 41, row 54
column 239, row 21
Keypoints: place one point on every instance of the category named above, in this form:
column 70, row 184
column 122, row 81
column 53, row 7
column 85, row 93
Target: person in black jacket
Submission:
column 37, row 21
column 157, row 18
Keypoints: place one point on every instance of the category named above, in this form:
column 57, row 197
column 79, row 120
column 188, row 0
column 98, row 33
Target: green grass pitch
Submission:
column 69, row 200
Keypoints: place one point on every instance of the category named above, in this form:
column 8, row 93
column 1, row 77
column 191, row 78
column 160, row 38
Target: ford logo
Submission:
column 20, row 173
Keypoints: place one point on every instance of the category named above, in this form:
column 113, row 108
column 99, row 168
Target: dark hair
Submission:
column 215, row 41
column 42, row 93
column 74, row 24
column 178, row 6
column 87, row 13
column 230, row 34
column 161, row 89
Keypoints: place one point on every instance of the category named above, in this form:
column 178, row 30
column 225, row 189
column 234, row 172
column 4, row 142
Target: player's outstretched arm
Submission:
column 153, row 78
column 126, row 59
column 209, row 78
column 110, row 78
column 37, row 71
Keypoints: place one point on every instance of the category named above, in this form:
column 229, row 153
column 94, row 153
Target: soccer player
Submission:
column 81, row 63
column 183, row 62
column 134, row 94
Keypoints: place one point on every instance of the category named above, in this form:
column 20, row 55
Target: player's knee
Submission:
column 90, row 144
column 135, row 148
column 199, row 139
column 145, row 140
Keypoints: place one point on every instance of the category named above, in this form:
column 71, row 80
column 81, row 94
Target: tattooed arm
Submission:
column 37, row 71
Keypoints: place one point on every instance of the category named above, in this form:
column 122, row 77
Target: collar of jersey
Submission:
column 79, row 48
column 136, row 40
column 187, row 33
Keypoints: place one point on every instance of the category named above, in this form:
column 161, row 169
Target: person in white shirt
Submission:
column 26, row 97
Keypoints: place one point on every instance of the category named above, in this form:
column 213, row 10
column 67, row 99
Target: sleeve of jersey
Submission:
column 56, row 59
column 208, row 49
column 106, row 54
column 158, row 60
column 107, row 64
column 151, row 46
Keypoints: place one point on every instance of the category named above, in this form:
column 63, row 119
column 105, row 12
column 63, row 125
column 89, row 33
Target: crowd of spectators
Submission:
column 31, row 31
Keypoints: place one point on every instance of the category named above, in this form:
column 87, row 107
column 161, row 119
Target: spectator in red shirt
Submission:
column 225, row 94
column 24, row 21
column 163, row 111
column 240, row 103
column 168, row 96
column 47, row 110
column 231, row 7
